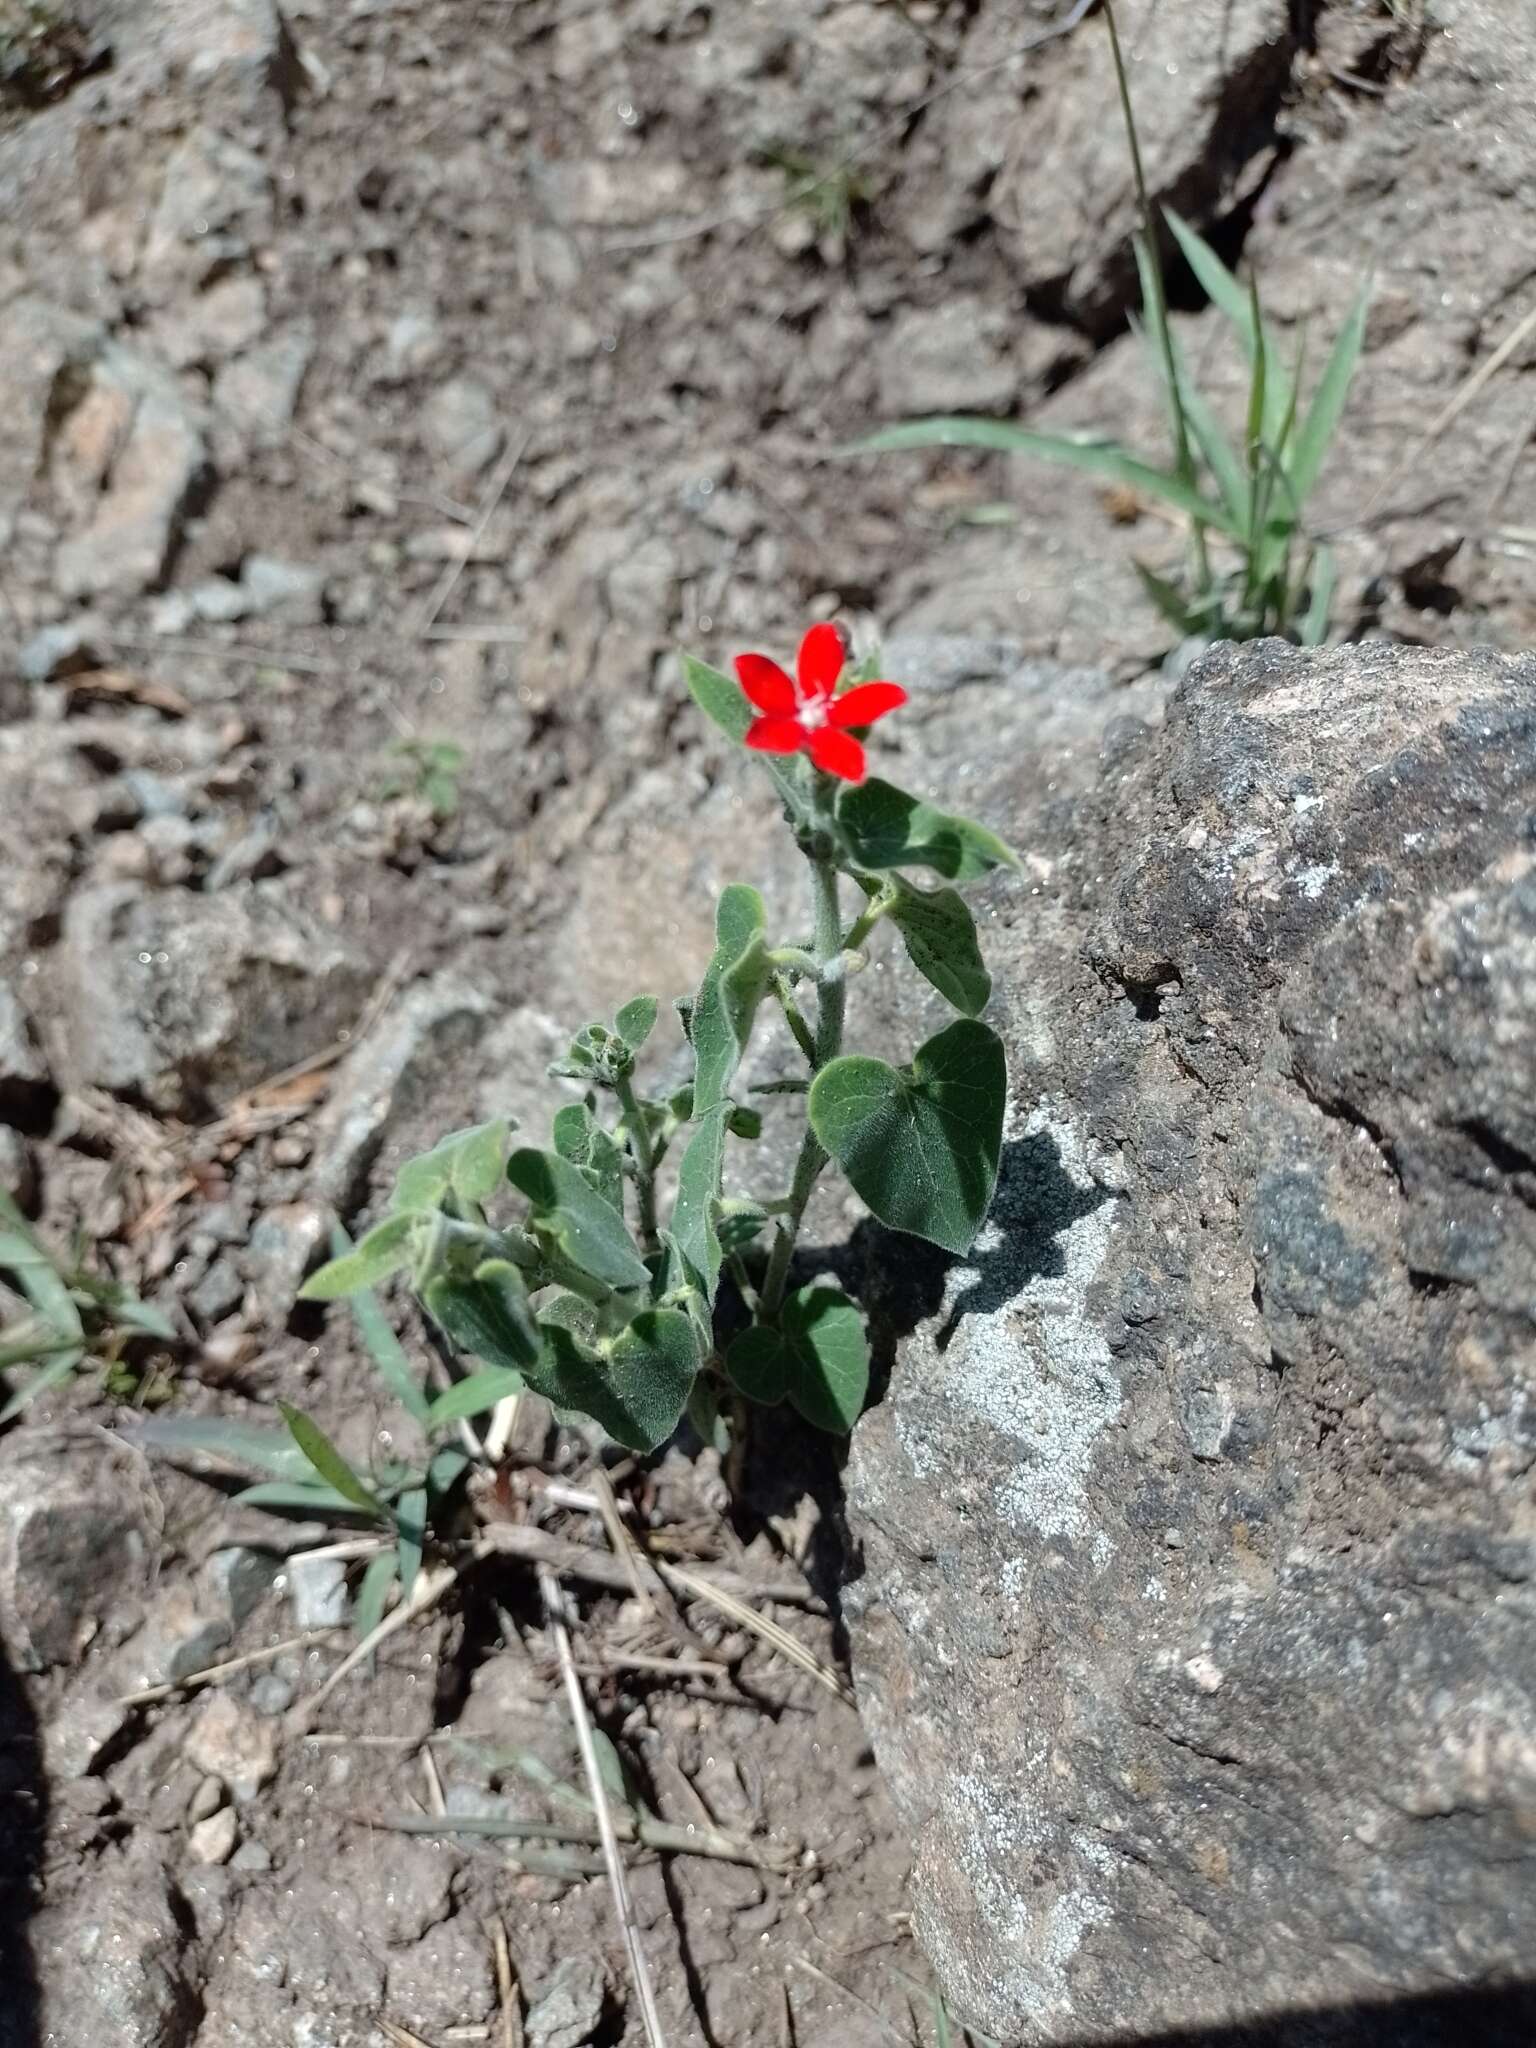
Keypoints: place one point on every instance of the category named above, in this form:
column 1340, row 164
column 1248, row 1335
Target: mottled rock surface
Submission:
column 1197, row 1632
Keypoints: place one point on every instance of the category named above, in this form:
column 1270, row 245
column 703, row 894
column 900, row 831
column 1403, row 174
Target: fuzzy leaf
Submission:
column 718, row 698
column 466, row 1163
column 487, row 1313
column 580, row 1138
column 734, row 983
column 638, row 1393
column 887, row 828
column 384, row 1250
column 328, row 1461
column 636, row 1021
column 698, row 1190
column 921, row 1144
column 818, row 1357
column 568, row 1209
column 940, row 937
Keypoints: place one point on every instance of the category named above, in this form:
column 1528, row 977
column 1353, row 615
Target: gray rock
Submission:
column 171, row 995
column 26, row 1086
column 228, row 1742
column 133, row 456
column 212, row 1841
column 67, row 649
column 258, row 392
column 950, row 358
column 215, row 209
column 385, row 1074
column 284, row 1244
column 445, row 1979
column 74, row 1545
column 112, row 1962
column 317, row 1591
column 43, row 348
column 1194, row 1635
column 218, row 1294
column 18, row 1174
column 569, row 2008
column 461, row 425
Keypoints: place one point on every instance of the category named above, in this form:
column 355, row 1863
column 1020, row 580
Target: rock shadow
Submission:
column 23, row 1827
column 1472, row 2018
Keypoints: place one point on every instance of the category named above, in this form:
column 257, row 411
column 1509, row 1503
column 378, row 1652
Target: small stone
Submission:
column 461, row 426
column 218, row 1294
column 74, row 1539
column 414, row 344
column 290, row 1151
column 243, row 1577
column 227, row 1741
column 68, row 649
column 258, row 393
column 282, row 1249
column 271, row 1694
column 569, row 2009
column 291, row 588
column 205, row 1801
column 76, row 1735
column 251, row 1856
column 317, row 1590
column 213, row 1840
column 18, row 1175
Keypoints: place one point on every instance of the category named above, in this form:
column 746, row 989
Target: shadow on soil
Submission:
column 1448, row 2019
column 23, row 1819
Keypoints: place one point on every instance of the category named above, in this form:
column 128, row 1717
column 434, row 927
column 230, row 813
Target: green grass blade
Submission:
column 373, row 1592
column 1314, row 624
column 328, row 1461
column 1213, row 277
column 1168, row 600
column 1098, row 458
column 1216, row 449
column 51, row 1375
column 1315, row 435
column 380, row 1341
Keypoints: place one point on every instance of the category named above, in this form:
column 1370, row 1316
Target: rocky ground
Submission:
column 419, row 374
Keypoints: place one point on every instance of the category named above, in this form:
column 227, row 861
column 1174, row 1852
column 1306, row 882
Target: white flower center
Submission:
column 813, row 713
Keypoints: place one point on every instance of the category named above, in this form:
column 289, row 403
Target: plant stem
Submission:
column 638, row 1133
column 831, row 1002
column 794, row 1019
column 1183, row 458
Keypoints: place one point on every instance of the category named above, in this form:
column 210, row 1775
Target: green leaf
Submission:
column 1315, row 435
column 129, row 1313
column 467, row 1164
column 328, row 1461
column 698, row 1190
column 486, row 1313
column 718, row 697
column 638, row 1392
column 580, row 1138
column 709, row 1425
column 1186, row 401
column 1314, row 625
column 734, row 983
column 940, row 936
column 288, row 1497
column 887, row 828
column 36, row 1272
column 474, row 1395
column 636, row 1021
column 411, row 1535
column 566, row 1208
column 738, row 1224
column 53, row 1374
column 1099, row 458
column 818, row 1357
column 373, row 1593
column 379, row 1339
column 231, row 1443
column 384, row 1250
column 920, row 1145
column 1169, row 600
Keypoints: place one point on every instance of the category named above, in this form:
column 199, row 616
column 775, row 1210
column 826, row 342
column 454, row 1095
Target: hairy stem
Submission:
column 831, row 1001
column 638, row 1132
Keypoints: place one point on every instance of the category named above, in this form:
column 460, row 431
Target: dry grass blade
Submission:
column 619, row 1537
column 444, row 587
column 602, row 1568
column 892, row 2032
column 778, row 1638
column 213, row 1674
column 644, row 1830
column 1481, row 376
column 401, row 2037
column 429, row 1588
column 510, row 2018
column 597, row 1791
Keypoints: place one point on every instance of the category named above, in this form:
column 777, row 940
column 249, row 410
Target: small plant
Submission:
column 76, row 1313
column 1252, row 569
column 828, row 198
column 429, row 771
column 564, row 1269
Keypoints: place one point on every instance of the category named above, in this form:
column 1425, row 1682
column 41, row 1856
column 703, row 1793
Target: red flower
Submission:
column 807, row 717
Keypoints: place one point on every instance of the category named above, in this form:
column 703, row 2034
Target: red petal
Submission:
column 862, row 706
column 837, row 753
column 823, row 656
column 766, row 685
column 776, row 735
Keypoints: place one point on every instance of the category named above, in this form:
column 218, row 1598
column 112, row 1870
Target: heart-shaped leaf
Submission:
column 639, row 1391
column 734, row 983
column 885, row 827
column 466, row 1163
column 569, row 1210
column 818, row 1358
column 487, row 1313
column 921, row 1144
column 940, row 937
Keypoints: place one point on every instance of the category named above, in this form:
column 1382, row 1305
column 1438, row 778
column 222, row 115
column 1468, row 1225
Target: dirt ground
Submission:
column 416, row 373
